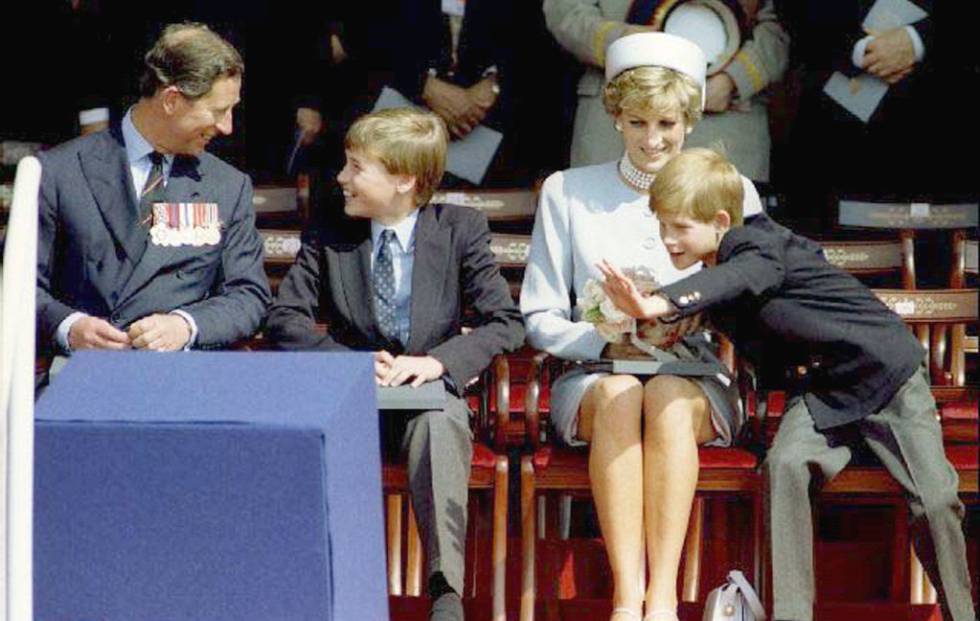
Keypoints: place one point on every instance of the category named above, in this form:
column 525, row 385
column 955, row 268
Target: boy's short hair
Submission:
column 698, row 183
column 654, row 89
column 407, row 141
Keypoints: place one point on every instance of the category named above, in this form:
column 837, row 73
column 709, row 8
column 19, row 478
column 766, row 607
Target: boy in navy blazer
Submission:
column 397, row 283
column 854, row 372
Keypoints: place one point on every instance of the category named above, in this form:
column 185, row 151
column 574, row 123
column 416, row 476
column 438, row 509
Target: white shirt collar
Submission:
column 404, row 230
column 137, row 147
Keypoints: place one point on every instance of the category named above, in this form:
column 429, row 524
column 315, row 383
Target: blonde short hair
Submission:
column 653, row 89
column 698, row 183
column 406, row 141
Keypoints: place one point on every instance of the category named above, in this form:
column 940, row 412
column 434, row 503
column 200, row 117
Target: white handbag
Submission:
column 735, row 600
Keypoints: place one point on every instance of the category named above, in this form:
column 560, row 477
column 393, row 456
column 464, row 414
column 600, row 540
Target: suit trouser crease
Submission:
column 440, row 449
column 907, row 439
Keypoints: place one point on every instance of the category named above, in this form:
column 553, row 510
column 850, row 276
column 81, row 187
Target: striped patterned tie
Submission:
column 152, row 190
column 383, row 279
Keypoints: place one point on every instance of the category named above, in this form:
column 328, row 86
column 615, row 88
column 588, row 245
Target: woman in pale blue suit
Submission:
column 643, row 436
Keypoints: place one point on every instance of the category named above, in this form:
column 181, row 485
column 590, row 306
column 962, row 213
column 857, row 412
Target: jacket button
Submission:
column 649, row 243
column 801, row 370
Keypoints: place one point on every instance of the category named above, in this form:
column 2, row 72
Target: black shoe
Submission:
column 447, row 607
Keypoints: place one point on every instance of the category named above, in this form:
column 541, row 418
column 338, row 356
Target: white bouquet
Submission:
column 615, row 326
column 596, row 307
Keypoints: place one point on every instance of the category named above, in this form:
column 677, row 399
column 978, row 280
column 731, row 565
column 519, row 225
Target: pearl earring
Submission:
column 618, row 127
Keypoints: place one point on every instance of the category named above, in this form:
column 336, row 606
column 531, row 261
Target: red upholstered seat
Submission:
column 961, row 410
column 483, row 457
column 710, row 458
column 963, row 456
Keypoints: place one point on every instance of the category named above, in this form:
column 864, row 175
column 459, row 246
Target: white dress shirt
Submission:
column 138, row 150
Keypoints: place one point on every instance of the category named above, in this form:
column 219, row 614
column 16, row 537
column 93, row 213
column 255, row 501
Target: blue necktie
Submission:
column 384, row 287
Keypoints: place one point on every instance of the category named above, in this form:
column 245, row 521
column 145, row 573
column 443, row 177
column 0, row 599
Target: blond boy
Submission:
column 396, row 282
column 853, row 372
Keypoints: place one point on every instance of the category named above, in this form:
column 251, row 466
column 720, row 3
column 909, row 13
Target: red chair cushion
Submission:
column 963, row 456
column 710, row 457
column 483, row 457
column 963, row 410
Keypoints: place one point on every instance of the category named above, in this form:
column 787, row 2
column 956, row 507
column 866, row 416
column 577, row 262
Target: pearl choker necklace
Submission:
column 633, row 176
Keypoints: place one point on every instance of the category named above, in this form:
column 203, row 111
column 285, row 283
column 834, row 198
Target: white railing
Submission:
column 18, row 285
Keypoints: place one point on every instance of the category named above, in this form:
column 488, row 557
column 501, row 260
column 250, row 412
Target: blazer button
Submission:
column 801, row 370
column 649, row 243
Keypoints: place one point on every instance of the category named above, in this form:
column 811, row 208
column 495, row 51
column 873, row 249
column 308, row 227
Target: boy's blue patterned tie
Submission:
column 384, row 287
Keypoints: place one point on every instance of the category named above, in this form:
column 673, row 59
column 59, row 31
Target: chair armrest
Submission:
column 501, row 384
column 532, row 399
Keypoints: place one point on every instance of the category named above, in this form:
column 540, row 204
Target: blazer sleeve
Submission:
column 240, row 297
column 50, row 310
column 546, row 295
column 752, row 266
column 762, row 59
column 580, row 28
column 499, row 327
column 292, row 319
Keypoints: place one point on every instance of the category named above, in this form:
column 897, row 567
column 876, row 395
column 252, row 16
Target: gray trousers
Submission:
column 439, row 447
column 906, row 437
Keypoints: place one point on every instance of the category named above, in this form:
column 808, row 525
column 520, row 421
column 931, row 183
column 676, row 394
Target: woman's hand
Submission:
column 627, row 298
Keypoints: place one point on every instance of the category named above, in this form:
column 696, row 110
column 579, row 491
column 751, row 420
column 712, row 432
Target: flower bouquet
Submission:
column 615, row 326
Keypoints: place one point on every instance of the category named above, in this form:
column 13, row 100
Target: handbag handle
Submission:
column 748, row 592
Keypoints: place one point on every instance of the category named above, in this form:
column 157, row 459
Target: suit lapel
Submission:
column 106, row 169
column 432, row 252
column 355, row 274
column 183, row 186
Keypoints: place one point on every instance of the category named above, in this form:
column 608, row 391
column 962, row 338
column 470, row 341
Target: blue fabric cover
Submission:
column 210, row 486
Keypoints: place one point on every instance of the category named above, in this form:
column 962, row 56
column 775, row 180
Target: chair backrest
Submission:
column 509, row 206
column 964, row 260
column 874, row 258
column 939, row 318
column 908, row 219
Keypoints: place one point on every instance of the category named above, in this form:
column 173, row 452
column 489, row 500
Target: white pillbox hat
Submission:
column 657, row 49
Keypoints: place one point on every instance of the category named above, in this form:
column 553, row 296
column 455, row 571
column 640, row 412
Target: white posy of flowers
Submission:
column 594, row 305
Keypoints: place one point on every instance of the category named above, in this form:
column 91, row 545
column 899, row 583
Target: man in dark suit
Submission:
column 397, row 283
column 473, row 62
column 855, row 374
column 146, row 241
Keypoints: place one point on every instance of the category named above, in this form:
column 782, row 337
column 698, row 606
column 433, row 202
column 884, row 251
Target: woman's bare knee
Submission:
column 611, row 400
column 674, row 406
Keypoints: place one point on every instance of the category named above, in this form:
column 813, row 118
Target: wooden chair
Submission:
column 507, row 209
column 870, row 259
column 282, row 205
column 908, row 220
column 550, row 469
column 488, row 476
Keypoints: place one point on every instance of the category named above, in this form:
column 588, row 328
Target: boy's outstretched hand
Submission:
column 628, row 298
column 395, row 371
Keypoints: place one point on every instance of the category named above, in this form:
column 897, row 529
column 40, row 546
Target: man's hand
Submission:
column 454, row 104
column 890, row 55
column 403, row 368
column 337, row 51
column 484, row 93
column 91, row 128
column 310, row 124
column 160, row 333
column 720, row 90
column 95, row 333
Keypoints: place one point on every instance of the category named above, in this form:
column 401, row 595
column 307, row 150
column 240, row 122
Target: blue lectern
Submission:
column 209, row 486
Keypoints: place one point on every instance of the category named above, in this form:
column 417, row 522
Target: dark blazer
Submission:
column 454, row 272
column 94, row 257
column 804, row 324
